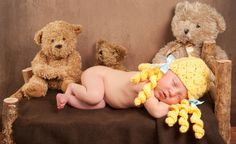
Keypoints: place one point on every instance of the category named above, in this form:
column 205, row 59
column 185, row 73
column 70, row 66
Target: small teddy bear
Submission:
column 57, row 63
column 192, row 25
column 110, row 55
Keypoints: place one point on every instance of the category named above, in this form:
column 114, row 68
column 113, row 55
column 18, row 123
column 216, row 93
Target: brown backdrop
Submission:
column 142, row 26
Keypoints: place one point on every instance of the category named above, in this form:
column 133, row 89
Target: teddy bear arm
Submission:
column 221, row 54
column 45, row 72
column 160, row 56
column 217, row 54
column 72, row 70
column 41, row 68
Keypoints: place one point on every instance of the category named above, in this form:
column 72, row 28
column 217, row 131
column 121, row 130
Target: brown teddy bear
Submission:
column 110, row 55
column 57, row 63
column 192, row 25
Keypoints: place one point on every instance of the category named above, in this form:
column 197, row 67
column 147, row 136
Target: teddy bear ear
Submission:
column 180, row 6
column 100, row 42
column 77, row 29
column 38, row 37
column 221, row 25
column 121, row 51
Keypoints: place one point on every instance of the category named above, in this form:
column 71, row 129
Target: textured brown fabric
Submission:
column 141, row 26
column 39, row 122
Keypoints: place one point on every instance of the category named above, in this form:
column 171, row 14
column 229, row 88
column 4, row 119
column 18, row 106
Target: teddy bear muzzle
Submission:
column 186, row 31
column 58, row 46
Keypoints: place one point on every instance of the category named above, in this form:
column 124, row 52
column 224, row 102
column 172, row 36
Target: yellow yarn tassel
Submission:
column 172, row 115
column 182, row 110
column 197, row 123
column 183, row 113
column 150, row 74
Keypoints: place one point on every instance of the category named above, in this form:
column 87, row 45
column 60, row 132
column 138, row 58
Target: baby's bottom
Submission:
column 89, row 95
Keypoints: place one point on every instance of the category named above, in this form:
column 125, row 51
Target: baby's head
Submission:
column 186, row 78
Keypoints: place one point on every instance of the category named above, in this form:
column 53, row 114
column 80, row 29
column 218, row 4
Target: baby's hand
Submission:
column 156, row 96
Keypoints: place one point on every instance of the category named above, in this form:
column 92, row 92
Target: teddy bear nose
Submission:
column 186, row 31
column 58, row 46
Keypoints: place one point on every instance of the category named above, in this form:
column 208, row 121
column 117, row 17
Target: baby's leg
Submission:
column 63, row 99
column 88, row 95
column 92, row 89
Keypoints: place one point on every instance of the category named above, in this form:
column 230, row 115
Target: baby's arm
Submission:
column 155, row 107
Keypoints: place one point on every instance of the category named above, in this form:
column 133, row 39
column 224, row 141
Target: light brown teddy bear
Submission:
column 57, row 63
column 110, row 55
column 192, row 25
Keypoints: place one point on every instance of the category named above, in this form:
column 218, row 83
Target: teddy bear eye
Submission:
column 64, row 39
column 52, row 40
column 197, row 26
column 100, row 52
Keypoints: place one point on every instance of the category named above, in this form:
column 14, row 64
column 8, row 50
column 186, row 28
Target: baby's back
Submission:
column 119, row 91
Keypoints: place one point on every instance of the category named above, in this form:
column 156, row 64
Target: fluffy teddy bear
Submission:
column 110, row 54
column 57, row 63
column 192, row 25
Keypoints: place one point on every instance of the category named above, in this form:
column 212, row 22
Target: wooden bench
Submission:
column 221, row 93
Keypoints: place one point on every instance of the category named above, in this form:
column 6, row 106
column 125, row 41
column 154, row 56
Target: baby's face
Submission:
column 170, row 89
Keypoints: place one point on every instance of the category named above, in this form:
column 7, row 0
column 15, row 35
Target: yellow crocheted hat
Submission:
column 194, row 73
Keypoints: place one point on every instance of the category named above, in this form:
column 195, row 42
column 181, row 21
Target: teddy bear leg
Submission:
column 36, row 87
column 65, row 84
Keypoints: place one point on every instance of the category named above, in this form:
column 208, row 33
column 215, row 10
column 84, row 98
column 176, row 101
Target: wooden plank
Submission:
column 223, row 69
column 27, row 74
column 233, row 135
column 9, row 115
column 208, row 52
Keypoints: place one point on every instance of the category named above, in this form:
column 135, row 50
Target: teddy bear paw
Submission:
column 34, row 90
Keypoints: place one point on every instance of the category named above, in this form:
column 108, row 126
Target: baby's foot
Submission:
column 62, row 99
